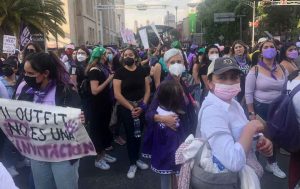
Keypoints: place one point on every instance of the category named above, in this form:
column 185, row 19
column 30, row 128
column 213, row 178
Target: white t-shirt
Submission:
column 6, row 181
column 296, row 100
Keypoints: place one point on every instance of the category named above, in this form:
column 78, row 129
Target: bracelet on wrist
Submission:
column 252, row 113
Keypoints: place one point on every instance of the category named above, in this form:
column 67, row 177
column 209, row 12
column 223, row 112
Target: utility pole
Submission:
column 176, row 9
column 241, row 26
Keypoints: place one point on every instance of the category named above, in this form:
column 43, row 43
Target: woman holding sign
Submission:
column 47, row 82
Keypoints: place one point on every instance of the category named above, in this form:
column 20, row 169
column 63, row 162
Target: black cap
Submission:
column 221, row 65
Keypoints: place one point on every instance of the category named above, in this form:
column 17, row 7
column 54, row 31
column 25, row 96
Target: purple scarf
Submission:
column 241, row 60
column 41, row 94
column 272, row 71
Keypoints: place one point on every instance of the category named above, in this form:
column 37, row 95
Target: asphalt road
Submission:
column 115, row 178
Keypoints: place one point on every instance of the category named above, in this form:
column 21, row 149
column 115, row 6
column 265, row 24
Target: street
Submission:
column 91, row 177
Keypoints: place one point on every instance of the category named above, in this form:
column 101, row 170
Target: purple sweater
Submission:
column 264, row 89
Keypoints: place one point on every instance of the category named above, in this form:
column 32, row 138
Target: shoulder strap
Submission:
column 199, row 153
column 295, row 91
column 256, row 71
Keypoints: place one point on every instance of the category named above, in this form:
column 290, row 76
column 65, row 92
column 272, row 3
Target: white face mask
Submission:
column 213, row 57
column 81, row 58
column 176, row 69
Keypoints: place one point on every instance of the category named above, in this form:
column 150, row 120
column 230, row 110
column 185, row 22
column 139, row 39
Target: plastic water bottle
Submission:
column 137, row 127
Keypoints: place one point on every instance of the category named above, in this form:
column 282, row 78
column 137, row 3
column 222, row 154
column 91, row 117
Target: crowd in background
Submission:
column 155, row 95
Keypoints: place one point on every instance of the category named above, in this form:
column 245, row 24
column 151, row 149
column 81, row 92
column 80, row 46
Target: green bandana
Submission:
column 98, row 52
column 176, row 45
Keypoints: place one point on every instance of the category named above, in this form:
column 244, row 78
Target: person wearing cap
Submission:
column 264, row 83
column 100, row 104
column 221, row 112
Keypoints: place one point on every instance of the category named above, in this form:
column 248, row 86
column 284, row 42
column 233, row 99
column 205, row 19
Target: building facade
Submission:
column 88, row 26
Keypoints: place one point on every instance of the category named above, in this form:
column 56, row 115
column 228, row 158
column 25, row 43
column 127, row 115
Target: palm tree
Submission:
column 44, row 15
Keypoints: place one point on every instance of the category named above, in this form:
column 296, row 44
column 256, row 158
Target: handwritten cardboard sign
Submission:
column 44, row 132
column 9, row 44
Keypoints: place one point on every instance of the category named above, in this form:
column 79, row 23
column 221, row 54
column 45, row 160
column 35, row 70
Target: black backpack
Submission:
column 85, row 87
column 282, row 123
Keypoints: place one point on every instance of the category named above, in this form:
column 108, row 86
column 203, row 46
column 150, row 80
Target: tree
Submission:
column 280, row 20
column 212, row 30
column 44, row 15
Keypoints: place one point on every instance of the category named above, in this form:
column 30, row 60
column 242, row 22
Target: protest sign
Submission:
column 156, row 33
column 123, row 34
column 144, row 38
column 44, row 132
column 9, row 44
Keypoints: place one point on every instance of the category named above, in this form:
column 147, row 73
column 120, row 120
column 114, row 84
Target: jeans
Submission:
column 51, row 175
column 133, row 144
column 262, row 110
column 166, row 181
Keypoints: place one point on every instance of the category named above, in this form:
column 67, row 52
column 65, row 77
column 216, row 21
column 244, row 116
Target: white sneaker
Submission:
column 273, row 168
column 109, row 158
column 141, row 165
column 12, row 171
column 297, row 186
column 101, row 164
column 131, row 171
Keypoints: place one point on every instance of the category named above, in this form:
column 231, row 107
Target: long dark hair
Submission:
column 205, row 58
column 170, row 95
column 35, row 45
column 41, row 62
column 283, row 50
column 293, row 75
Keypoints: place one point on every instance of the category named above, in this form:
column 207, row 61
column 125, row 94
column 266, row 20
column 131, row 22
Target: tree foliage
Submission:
column 44, row 15
column 278, row 20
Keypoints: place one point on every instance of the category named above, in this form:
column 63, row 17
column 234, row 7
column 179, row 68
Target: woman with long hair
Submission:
column 46, row 82
column 239, row 52
column 288, row 55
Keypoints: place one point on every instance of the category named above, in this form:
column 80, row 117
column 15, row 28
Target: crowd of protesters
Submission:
column 159, row 96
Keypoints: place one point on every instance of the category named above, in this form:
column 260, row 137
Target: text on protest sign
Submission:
column 9, row 44
column 44, row 132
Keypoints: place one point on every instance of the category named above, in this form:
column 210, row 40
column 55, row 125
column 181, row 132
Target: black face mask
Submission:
column 7, row 71
column 128, row 61
column 31, row 82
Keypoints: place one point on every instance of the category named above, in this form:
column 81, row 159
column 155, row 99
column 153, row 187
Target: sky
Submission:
column 157, row 15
